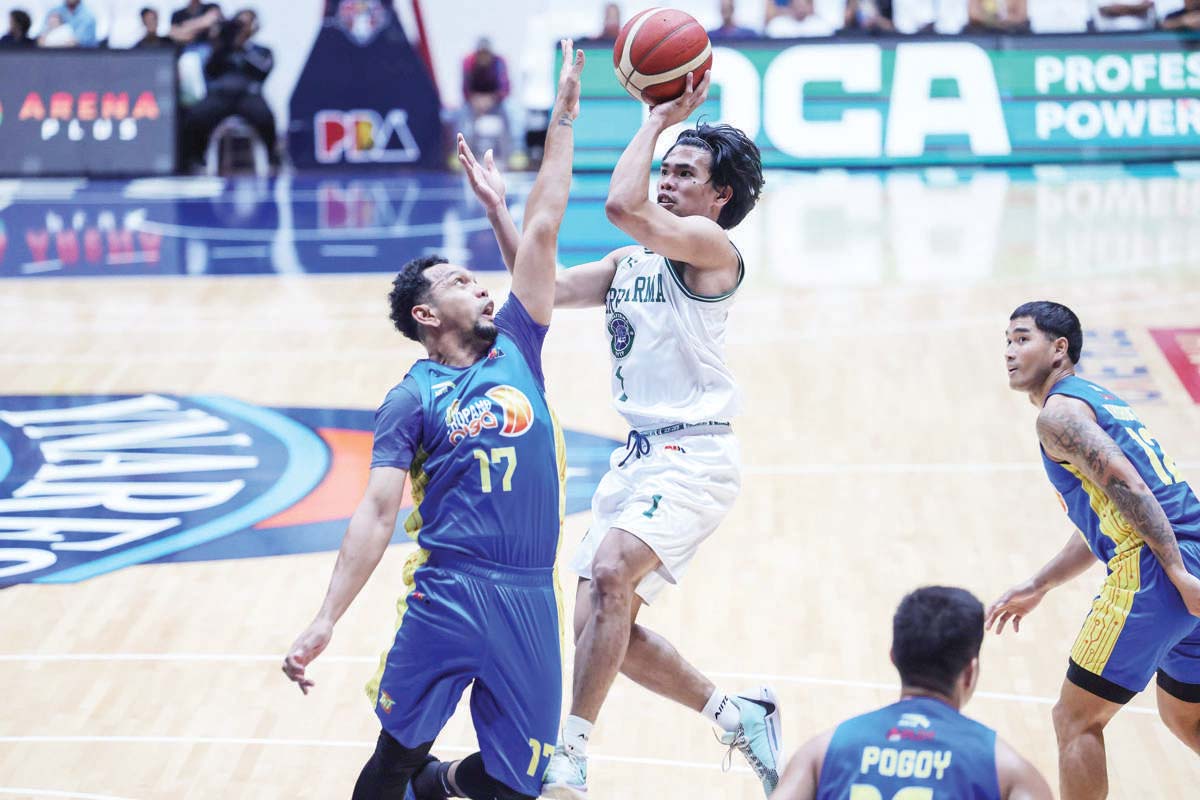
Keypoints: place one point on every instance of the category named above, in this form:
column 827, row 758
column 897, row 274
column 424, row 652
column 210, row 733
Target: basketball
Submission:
column 656, row 50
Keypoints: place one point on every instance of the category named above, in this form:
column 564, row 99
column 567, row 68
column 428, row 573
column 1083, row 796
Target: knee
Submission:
column 611, row 586
column 1069, row 724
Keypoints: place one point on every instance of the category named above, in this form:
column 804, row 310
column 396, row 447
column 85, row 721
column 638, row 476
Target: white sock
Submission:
column 575, row 734
column 721, row 711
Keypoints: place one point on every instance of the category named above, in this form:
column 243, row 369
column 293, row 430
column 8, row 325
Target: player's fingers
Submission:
column 489, row 159
column 1003, row 620
column 579, row 59
column 1017, row 623
column 689, row 84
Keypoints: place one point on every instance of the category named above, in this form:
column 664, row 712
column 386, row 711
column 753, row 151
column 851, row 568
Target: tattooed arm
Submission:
column 1068, row 431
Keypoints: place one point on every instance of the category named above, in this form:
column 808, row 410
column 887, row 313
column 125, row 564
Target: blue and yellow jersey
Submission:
column 483, row 450
column 918, row 747
column 1108, row 533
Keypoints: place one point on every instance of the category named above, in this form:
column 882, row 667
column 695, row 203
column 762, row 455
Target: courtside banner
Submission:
column 916, row 100
column 87, row 112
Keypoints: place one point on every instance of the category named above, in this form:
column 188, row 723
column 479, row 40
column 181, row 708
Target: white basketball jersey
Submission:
column 667, row 346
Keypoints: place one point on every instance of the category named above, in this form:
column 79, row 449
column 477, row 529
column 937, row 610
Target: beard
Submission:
column 485, row 332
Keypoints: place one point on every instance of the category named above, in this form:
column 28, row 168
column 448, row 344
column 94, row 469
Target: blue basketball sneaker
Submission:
column 757, row 737
column 565, row 777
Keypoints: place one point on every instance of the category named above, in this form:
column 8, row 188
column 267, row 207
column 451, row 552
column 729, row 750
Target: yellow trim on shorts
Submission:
column 1094, row 645
column 412, row 526
column 560, row 454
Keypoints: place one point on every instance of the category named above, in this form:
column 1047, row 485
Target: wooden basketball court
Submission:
column 882, row 451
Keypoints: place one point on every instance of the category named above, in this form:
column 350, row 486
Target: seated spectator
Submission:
column 869, row 16
column 931, row 16
column 19, row 24
column 1058, row 16
column 1132, row 15
column 612, row 22
column 235, row 74
column 729, row 28
column 195, row 23
column 78, row 22
column 152, row 39
column 1185, row 19
column 801, row 18
column 997, row 16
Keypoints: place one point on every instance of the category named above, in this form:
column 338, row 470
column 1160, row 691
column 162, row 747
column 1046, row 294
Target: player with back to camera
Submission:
column 471, row 426
column 666, row 303
column 922, row 747
column 1135, row 513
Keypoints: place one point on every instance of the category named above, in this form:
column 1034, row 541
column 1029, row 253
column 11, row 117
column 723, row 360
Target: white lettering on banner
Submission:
column 858, row 68
column 1047, row 71
column 1115, row 73
column 1087, row 119
column 976, row 112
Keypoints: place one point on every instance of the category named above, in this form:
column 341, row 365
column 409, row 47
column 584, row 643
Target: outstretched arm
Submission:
column 488, row 185
column 535, row 264
column 366, row 538
column 1068, row 432
column 803, row 773
column 1019, row 780
column 695, row 240
column 1015, row 604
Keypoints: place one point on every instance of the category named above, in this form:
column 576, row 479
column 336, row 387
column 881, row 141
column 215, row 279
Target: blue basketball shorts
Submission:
column 465, row 622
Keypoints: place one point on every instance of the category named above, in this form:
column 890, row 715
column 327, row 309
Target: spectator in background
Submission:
column 932, row 16
column 235, row 73
column 152, row 39
column 869, row 16
column 195, row 23
column 1058, row 16
column 1186, row 19
column 19, row 24
column 729, row 29
column 485, row 87
column 1131, row 15
column 77, row 19
column 997, row 16
column 801, row 18
column 612, row 22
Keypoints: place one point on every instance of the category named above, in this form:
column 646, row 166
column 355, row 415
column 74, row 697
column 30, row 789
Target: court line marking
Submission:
column 746, row 676
column 242, row 742
column 59, row 793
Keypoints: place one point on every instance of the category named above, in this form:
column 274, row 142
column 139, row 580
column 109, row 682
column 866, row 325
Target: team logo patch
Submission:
column 621, row 331
column 504, row 407
column 93, row 484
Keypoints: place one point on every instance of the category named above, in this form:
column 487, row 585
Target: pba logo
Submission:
column 93, row 484
column 362, row 136
column 479, row 416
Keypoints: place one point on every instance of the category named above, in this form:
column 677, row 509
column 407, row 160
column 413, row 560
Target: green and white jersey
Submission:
column 667, row 346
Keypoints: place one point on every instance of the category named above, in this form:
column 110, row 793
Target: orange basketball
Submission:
column 655, row 52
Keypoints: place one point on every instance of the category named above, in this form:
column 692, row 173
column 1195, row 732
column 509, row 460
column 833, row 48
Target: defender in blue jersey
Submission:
column 1136, row 514
column 471, row 428
column 920, row 748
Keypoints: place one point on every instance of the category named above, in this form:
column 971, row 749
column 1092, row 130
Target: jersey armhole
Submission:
column 673, row 269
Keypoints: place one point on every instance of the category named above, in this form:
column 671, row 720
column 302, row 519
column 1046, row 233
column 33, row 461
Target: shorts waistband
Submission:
column 711, row 426
column 490, row 570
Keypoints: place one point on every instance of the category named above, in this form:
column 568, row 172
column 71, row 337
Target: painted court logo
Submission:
column 93, row 484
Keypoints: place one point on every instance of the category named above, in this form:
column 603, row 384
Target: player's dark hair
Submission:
column 936, row 632
column 410, row 288
column 1055, row 320
column 736, row 164
column 22, row 19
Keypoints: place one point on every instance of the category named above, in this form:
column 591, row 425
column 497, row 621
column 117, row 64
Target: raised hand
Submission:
column 485, row 178
column 681, row 108
column 566, row 102
column 1013, row 605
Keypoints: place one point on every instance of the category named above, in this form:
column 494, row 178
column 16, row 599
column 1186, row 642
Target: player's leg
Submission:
column 387, row 774
column 1179, row 689
column 467, row 777
column 1079, row 720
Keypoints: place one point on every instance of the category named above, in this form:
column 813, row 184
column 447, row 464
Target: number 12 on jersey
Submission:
column 508, row 455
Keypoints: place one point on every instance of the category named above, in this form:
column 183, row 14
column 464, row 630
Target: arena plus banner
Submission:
column 93, row 484
column 977, row 100
column 87, row 112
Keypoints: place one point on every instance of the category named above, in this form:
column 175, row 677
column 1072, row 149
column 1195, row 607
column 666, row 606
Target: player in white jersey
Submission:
column 666, row 305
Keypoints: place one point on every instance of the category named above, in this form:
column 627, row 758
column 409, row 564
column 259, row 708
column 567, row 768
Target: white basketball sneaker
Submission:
column 565, row 777
column 758, row 736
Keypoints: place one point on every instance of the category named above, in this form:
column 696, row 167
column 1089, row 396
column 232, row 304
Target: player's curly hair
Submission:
column 736, row 163
column 1055, row 320
column 410, row 288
